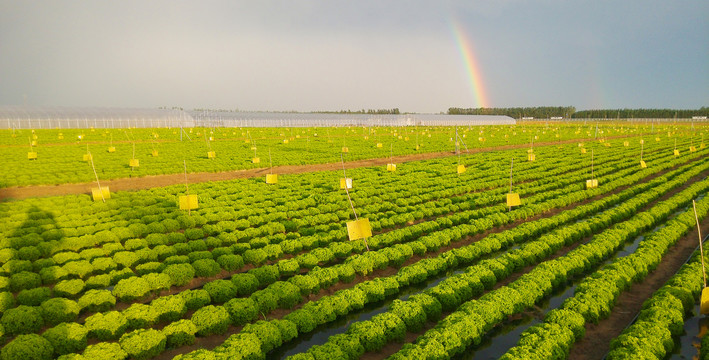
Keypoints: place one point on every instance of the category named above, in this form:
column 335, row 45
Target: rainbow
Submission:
column 471, row 64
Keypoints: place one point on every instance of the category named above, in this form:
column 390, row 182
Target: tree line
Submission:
column 546, row 112
column 518, row 112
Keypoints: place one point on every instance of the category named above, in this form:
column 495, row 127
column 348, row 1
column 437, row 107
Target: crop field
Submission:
column 599, row 258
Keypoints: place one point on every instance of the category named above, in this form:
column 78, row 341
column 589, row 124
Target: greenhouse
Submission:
column 31, row 117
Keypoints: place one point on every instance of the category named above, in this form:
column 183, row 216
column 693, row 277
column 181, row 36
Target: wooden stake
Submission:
column 96, row 174
column 187, row 187
column 701, row 248
column 342, row 159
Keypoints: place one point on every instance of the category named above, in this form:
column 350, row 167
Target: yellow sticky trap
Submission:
column 253, row 148
column 379, row 145
column 211, row 138
column 391, row 167
column 704, row 302
column 643, row 165
column 580, row 145
column 211, row 154
column 345, row 149
column 417, row 147
column 591, row 184
column 34, row 137
column 155, row 153
column 297, row 136
column 642, row 141
column 366, row 138
column 513, row 200
column 271, row 178
column 87, row 157
column 583, row 150
column 531, row 157
column 657, row 139
column 285, row 141
column 345, row 183
column 692, row 148
column 34, row 143
column 461, row 169
column 134, row 163
column 96, row 193
column 407, row 138
column 61, row 137
column 188, row 202
column 31, row 155
column 676, row 152
column 359, row 229
column 626, row 144
column 112, row 149
column 255, row 160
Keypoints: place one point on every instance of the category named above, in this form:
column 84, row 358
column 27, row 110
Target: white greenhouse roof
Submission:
column 33, row 117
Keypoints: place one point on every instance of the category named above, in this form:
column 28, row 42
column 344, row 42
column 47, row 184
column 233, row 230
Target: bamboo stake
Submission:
column 96, row 174
column 701, row 248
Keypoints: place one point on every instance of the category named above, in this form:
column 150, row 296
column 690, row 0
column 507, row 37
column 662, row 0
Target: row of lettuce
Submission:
column 178, row 270
column 216, row 319
column 65, row 163
column 223, row 285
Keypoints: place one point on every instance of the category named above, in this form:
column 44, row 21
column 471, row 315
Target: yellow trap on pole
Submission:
column 359, row 229
column 345, row 183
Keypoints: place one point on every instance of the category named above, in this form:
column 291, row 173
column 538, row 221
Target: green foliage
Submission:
column 241, row 310
column 246, row 284
column 105, row 350
column 221, row 291
column 303, row 319
column 106, row 326
column 371, row 335
column 230, row 262
column 22, row 320
column 59, row 310
column 24, row 280
column 180, row 274
column 7, row 301
column 34, row 297
column 140, row 316
column 211, row 320
column 143, row 343
column 97, row 300
column 206, row 267
column 195, row 299
column 267, row 332
column 131, row 289
column 67, row 338
column 27, row 347
column 157, row 282
column 180, row 333
column 169, row 308
column 69, row 288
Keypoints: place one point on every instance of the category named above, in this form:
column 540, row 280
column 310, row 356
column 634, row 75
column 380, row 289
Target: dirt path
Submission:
column 148, row 182
column 596, row 343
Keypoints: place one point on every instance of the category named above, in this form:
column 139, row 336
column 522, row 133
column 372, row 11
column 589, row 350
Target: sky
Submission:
column 418, row 56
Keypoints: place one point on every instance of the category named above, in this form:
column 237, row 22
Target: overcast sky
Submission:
column 332, row 55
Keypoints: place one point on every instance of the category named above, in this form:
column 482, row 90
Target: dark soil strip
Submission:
column 152, row 181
